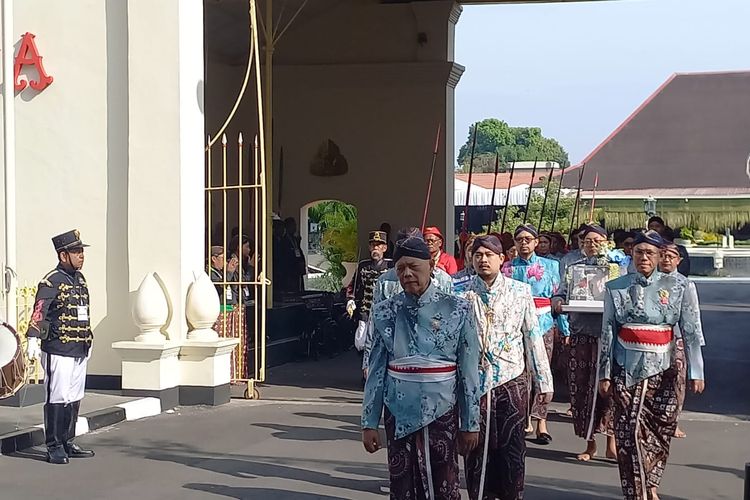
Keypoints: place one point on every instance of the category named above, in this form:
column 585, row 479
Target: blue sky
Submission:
column 578, row 70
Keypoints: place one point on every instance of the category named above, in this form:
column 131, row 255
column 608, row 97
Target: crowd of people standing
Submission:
column 465, row 367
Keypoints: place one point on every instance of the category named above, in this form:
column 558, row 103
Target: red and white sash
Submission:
column 543, row 305
column 645, row 338
column 421, row 369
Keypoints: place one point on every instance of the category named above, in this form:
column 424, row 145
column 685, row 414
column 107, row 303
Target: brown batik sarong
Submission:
column 645, row 421
column 417, row 470
column 505, row 444
column 592, row 413
column 539, row 410
column 232, row 324
column 681, row 364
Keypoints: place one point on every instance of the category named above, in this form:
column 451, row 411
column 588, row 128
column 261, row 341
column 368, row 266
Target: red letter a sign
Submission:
column 28, row 55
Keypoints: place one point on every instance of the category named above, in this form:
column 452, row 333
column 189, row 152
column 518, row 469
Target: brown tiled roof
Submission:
column 693, row 132
column 485, row 180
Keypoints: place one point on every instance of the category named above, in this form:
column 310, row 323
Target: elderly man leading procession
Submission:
column 455, row 367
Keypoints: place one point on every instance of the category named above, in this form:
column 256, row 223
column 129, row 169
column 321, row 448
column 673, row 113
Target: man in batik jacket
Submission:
column 510, row 341
column 592, row 414
column 423, row 373
column 637, row 363
column 543, row 276
column 389, row 285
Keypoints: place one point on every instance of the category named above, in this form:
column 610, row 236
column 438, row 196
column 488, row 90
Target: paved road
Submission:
column 302, row 440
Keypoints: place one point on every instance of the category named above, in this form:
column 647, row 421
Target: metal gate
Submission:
column 236, row 191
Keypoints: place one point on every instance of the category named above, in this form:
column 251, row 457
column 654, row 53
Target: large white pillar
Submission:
column 166, row 141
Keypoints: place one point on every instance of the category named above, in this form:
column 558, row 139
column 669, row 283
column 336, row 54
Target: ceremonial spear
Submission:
column 494, row 186
column 531, row 189
column 463, row 236
column 432, row 174
column 557, row 200
column 546, row 193
column 593, row 198
column 507, row 195
column 468, row 186
column 573, row 216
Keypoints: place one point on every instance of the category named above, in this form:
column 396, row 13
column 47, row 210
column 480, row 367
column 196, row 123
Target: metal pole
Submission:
column 574, row 215
column 557, row 200
column 266, row 131
column 593, row 198
column 507, row 195
column 494, row 187
column 546, row 193
column 432, row 174
column 531, row 189
column 465, row 223
column 264, row 178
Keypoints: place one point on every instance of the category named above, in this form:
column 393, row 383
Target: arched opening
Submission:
column 329, row 232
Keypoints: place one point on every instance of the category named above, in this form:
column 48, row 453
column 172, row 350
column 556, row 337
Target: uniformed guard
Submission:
column 60, row 330
column 360, row 290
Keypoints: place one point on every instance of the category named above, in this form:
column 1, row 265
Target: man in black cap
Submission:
column 637, row 363
column 60, row 323
column 360, row 289
column 424, row 381
column 592, row 414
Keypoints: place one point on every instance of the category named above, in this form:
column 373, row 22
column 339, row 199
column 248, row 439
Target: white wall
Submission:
column 62, row 153
column 114, row 148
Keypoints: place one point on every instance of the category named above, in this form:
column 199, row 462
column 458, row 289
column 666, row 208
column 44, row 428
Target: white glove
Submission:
column 33, row 348
column 360, row 336
column 351, row 307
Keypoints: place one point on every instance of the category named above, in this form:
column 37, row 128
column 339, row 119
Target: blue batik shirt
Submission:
column 660, row 299
column 505, row 316
column 387, row 286
column 462, row 279
column 543, row 275
column 436, row 326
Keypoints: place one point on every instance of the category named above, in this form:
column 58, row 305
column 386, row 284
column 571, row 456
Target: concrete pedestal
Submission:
column 205, row 371
column 150, row 370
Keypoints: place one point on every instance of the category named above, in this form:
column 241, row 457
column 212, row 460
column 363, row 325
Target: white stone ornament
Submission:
column 150, row 310
column 202, row 308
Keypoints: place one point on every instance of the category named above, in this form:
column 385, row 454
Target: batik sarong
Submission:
column 681, row 365
column 645, row 421
column 539, row 410
column 419, row 472
column 592, row 413
column 232, row 324
column 496, row 466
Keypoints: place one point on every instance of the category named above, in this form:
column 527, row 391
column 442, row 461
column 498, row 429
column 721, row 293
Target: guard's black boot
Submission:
column 73, row 450
column 54, row 433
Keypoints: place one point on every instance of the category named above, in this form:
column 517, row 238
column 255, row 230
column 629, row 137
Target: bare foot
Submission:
column 679, row 433
column 611, row 448
column 654, row 495
column 589, row 453
column 541, row 427
column 569, row 413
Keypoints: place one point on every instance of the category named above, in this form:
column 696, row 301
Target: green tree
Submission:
column 338, row 223
column 495, row 137
column 565, row 210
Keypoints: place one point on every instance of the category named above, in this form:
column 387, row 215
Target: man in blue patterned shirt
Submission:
column 424, row 372
column 512, row 346
column 637, row 363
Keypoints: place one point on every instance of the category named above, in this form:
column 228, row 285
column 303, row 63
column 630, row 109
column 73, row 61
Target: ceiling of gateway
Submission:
column 226, row 30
